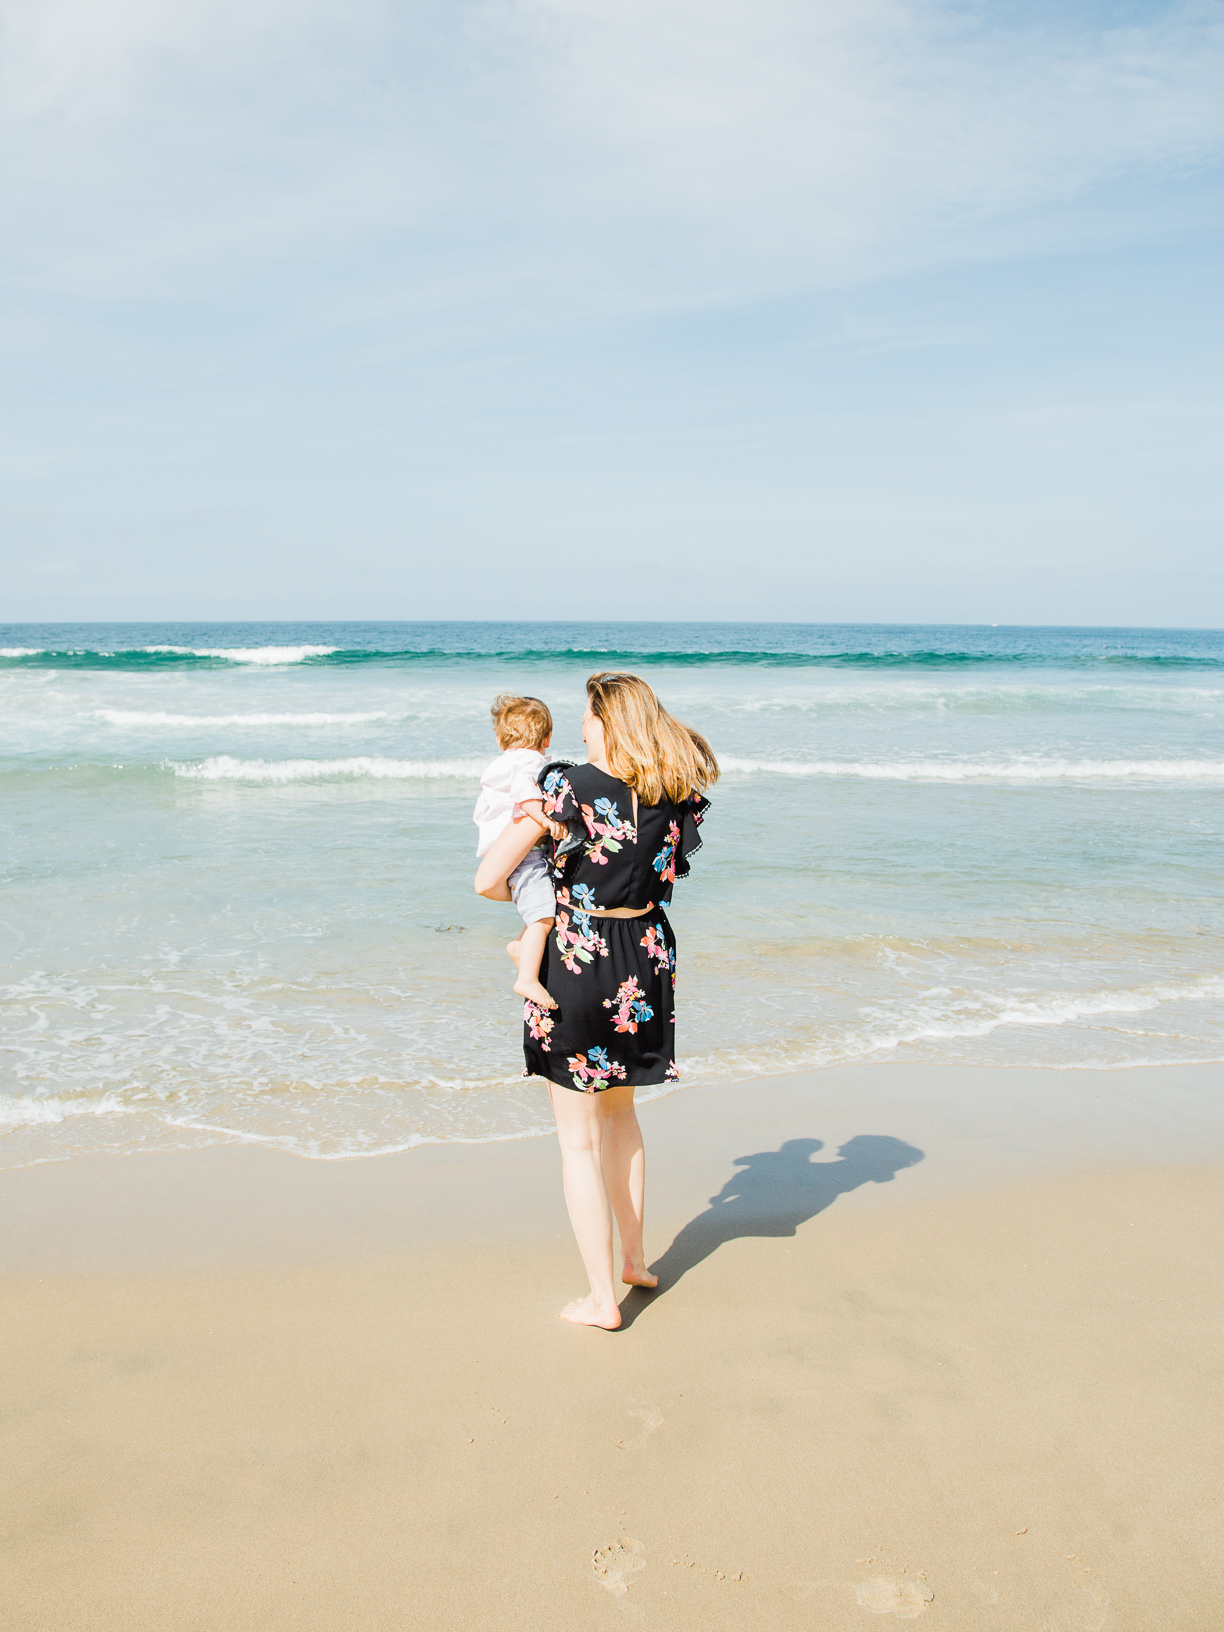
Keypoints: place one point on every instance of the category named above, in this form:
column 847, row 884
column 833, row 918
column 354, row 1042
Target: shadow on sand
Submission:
column 776, row 1191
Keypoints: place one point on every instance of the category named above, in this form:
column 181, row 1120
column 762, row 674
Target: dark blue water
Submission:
column 919, row 646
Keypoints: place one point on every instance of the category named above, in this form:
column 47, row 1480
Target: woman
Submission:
column 631, row 816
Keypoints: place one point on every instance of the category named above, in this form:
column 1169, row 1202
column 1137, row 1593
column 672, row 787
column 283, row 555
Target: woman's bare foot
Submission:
column 586, row 1312
column 534, row 993
column 638, row 1275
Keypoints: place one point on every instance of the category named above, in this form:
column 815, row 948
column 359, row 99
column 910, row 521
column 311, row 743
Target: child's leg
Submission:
column 527, row 952
column 537, row 905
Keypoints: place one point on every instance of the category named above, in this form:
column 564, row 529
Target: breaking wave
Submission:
column 225, row 768
column 1002, row 770
column 138, row 717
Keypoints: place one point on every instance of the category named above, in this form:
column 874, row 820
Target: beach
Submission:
column 945, row 1349
column 934, row 1206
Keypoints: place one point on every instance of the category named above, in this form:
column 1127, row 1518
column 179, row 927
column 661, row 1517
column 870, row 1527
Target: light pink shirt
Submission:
column 506, row 783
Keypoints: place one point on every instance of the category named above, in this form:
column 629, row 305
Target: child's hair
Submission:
column 520, row 722
column 654, row 753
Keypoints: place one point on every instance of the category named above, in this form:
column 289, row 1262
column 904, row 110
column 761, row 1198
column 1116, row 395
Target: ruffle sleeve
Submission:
column 561, row 805
column 693, row 813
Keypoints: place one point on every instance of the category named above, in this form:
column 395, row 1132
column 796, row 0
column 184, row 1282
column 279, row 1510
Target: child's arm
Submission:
column 511, row 846
column 535, row 809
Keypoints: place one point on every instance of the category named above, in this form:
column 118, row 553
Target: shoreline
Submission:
column 976, row 1127
column 220, row 1137
column 942, row 1352
column 32, row 1140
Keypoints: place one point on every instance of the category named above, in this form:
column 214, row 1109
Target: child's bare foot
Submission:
column 514, row 950
column 534, row 993
column 586, row 1312
column 638, row 1275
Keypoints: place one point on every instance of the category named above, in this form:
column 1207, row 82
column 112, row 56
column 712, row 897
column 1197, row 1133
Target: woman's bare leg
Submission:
column 579, row 1128
column 624, row 1170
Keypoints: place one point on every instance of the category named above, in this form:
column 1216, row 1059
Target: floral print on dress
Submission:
column 632, row 1009
column 576, row 940
column 594, row 1071
column 539, row 1023
column 613, row 977
column 607, row 830
column 665, row 861
column 554, row 790
column 561, row 806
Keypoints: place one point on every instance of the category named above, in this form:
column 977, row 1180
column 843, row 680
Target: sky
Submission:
column 815, row 310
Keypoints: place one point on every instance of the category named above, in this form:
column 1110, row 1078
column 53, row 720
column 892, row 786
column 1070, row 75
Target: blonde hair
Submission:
column 520, row 722
column 655, row 754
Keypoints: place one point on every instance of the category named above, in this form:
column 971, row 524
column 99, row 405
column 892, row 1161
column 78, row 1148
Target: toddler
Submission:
column 523, row 728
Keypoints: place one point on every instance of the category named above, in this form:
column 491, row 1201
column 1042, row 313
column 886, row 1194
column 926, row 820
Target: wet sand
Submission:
column 947, row 1348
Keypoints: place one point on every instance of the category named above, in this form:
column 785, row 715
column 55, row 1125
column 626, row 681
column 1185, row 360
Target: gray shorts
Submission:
column 531, row 887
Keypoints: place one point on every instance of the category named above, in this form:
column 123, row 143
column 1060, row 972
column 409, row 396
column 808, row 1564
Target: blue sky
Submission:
column 848, row 309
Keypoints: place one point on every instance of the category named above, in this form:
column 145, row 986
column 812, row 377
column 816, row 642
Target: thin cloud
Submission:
column 844, row 129
column 690, row 145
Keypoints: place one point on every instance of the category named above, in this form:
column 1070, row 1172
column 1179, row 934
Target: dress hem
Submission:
column 567, row 1081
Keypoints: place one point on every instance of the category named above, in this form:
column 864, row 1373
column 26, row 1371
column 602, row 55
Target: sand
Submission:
column 903, row 1373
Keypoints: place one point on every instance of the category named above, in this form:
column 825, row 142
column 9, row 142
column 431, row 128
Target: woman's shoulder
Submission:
column 566, row 788
column 693, row 805
column 586, row 781
column 557, row 767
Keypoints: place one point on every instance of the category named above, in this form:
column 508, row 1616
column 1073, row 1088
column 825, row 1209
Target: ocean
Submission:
column 237, row 863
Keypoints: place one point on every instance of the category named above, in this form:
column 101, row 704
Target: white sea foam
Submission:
column 872, row 695
column 28, row 1111
column 267, row 655
column 139, row 717
column 224, row 768
column 964, row 1017
column 995, row 770
column 970, row 1016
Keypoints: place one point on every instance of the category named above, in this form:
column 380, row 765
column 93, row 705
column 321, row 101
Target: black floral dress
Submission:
column 613, row 979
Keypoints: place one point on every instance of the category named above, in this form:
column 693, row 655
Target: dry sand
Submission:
column 890, row 1377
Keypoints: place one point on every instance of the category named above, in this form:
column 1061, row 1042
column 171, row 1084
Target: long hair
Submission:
column 658, row 756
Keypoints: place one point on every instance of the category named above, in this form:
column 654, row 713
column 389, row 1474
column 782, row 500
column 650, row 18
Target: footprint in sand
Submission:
column 617, row 1564
column 1088, row 1612
column 649, row 1419
column 888, row 1596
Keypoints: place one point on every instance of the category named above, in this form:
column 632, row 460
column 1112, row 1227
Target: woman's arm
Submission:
column 501, row 858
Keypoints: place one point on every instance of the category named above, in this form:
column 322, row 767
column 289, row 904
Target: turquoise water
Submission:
column 237, row 861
